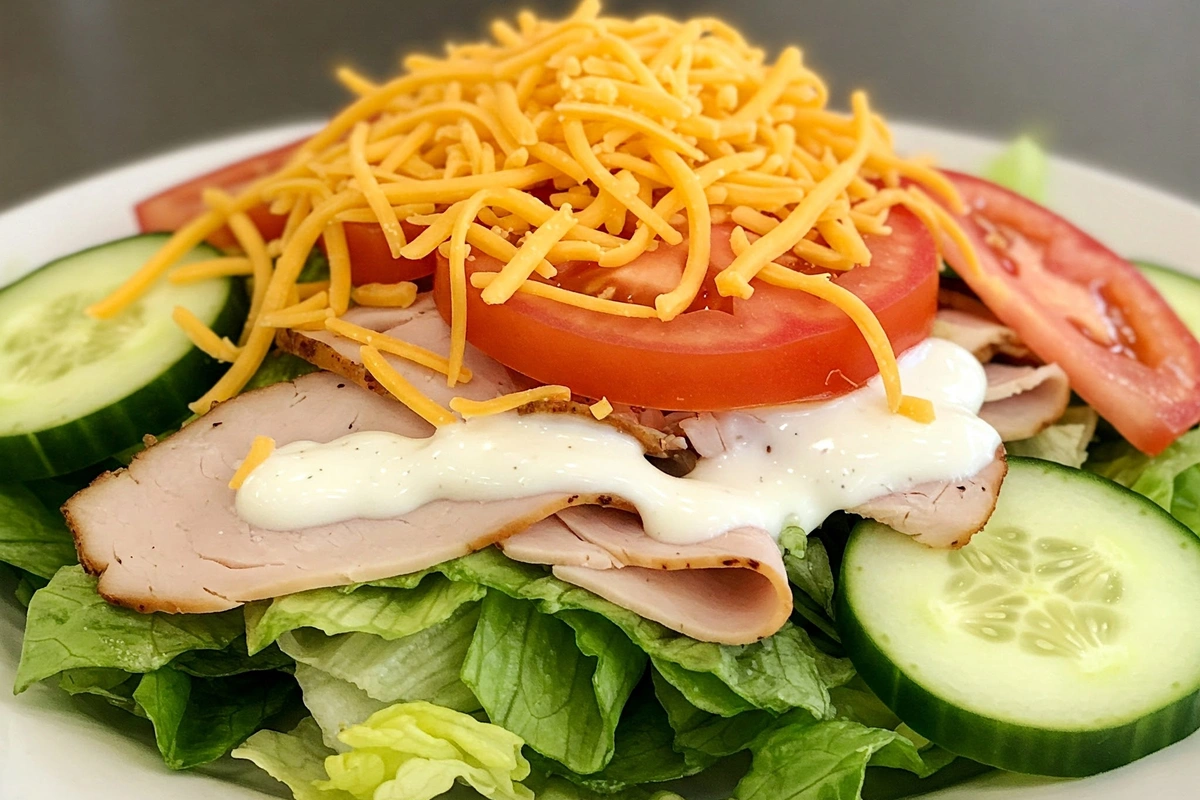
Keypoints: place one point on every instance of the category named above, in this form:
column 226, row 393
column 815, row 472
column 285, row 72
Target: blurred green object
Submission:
column 1022, row 168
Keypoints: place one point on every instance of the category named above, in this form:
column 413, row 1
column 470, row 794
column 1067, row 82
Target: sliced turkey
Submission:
column 984, row 337
column 942, row 513
column 1022, row 401
column 420, row 325
column 731, row 589
column 163, row 535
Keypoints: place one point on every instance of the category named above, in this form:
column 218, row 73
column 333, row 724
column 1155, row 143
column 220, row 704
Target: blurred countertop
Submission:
column 89, row 84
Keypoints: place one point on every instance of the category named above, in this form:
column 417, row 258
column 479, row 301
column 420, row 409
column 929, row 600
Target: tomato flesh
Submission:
column 1076, row 303
column 778, row 346
column 370, row 257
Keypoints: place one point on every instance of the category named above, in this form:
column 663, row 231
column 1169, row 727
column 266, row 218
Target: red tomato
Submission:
column 175, row 207
column 778, row 346
column 1076, row 303
column 370, row 257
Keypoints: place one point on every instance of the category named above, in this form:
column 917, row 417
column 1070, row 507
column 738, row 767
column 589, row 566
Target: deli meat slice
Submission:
column 1022, row 401
column 163, row 535
column 420, row 325
column 731, row 589
column 942, row 513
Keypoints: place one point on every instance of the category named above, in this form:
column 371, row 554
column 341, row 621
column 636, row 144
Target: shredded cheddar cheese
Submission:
column 498, row 405
column 587, row 139
column 601, row 408
column 212, row 268
column 260, row 450
column 385, row 295
column 402, row 390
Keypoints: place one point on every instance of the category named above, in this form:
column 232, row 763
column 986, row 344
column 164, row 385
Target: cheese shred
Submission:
column 586, row 139
column 498, row 405
column 399, row 387
column 260, row 450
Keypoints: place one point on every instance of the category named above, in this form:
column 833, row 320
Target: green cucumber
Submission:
column 1063, row 640
column 1181, row 291
column 75, row 390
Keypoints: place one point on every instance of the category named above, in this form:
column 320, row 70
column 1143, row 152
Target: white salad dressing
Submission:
column 785, row 465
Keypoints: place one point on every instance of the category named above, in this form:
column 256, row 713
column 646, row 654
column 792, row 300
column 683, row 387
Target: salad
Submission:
column 595, row 412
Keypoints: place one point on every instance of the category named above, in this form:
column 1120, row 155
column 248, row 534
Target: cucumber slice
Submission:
column 74, row 390
column 1063, row 640
column 1182, row 292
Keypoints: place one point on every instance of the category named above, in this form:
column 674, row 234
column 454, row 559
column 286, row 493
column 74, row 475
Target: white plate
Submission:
column 54, row 747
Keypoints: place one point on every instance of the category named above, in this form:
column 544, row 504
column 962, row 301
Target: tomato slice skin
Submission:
column 1058, row 288
column 173, row 208
column 370, row 257
column 779, row 346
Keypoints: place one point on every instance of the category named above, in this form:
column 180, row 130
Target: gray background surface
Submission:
column 87, row 84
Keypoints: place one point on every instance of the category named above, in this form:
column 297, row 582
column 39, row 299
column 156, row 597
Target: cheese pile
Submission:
column 636, row 131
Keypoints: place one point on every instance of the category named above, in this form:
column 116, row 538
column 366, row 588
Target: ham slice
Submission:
column 163, row 535
column 1022, row 401
column 732, row 589
column 942, row 513
column 420, row 325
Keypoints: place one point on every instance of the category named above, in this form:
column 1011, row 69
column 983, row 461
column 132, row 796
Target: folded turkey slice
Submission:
column 1022, row 401
column 731, row 589
column 164, row 534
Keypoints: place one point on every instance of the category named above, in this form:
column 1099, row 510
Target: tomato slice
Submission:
column 370, row 257
column 779, row 346
column 172, row 209
column 1076, row 303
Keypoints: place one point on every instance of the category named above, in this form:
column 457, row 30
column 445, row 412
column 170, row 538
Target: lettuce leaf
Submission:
column 335, row 704
column 698, row 731
column 296, row 759
column 778, row 673
column 385, row 612
column 558, row 681
column 1023, row 168
column 1065, row 442
column 411, row 751
column 69, row 626
column 1171, row 479
column 32, row 538
column 827, row 760
column 423, row 666
column 645, row 752
column 197, row 720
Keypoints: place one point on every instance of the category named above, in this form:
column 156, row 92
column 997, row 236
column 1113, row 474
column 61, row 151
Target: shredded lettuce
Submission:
column 409, row 751
column 1022, row 167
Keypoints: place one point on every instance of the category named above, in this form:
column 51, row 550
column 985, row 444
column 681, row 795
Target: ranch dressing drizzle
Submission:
column 782, row 465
